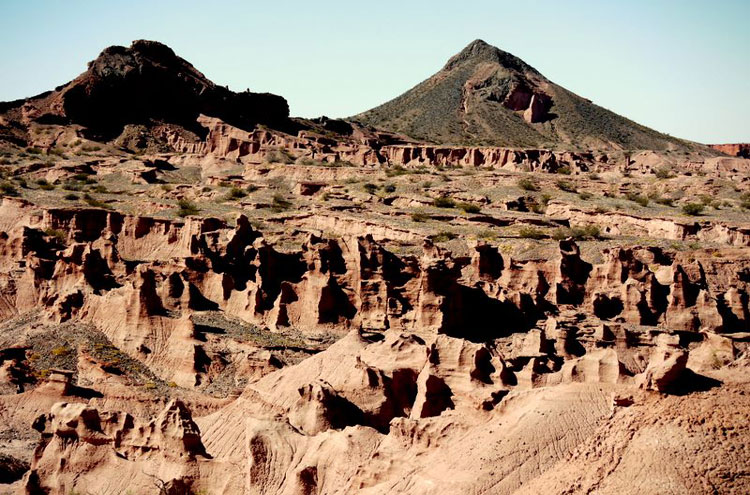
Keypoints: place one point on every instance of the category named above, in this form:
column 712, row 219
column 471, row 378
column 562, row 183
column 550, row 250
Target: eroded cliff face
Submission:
column 434, row 349
column 741, row 150
column 201, row 295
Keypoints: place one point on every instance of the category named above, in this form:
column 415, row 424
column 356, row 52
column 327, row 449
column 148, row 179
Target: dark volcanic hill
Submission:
column 142, row 84
column 485, row 96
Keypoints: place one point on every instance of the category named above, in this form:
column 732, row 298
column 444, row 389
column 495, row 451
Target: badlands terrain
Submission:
column 488, row 285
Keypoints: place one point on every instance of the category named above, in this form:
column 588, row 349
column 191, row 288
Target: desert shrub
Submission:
column 279, row 156
column 585, row 196
column 309, row 162
column 637, row 198
column 58, row 235
column 539, row 205
column 22, row 182
column 94, row 202
column 57, row 152
column 251, row 188
column 527, row 184
column 709, row 201
column 444, row 202
column 443, row 236
column 280, row 203
column 693, row 209
column 33, row 151
column 236, row 193
column 8, row 189
column 389, row 188
column 418, row 216
column 664, row 201
column 664, row 172
column 396, row 170
column 85, row 178
column 60, row 351
column 90, row 147
column 71, row 197
column 594, row 176
column 564, row 170
column 370, row 188
column 186, row 208
column 426, row 184
column 745, row 201
column 530, row 233
column 469, row 207
column 100, row 189
column 44, row 185
column 566, row 186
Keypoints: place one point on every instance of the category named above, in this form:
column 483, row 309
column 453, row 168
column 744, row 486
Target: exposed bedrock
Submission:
column 141, row 279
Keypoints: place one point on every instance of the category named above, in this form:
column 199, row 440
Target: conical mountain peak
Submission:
column 479, row 51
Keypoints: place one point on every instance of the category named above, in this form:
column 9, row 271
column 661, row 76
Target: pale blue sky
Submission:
column 679, row 66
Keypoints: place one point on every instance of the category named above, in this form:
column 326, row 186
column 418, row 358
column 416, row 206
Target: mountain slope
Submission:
column 485, row 96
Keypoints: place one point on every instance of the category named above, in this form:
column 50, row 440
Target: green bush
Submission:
column 280, row 203
column 566, row 186
column 469, row 207
column 279, row 156
column 60, row 351
column 531, row 233
column 664, row 172
column 44, row 185
column 585, row 196
column 527, row 184
column 58, row 235
column 444, row 202
column 186, row 208
column 443, row 236
column 8, row 189
column 370, row 188
column 539, row 205
column 418, row 216
column 564, row 170
column 693, row 209
column 637, row 198
column 236, row 193
column 396, row 171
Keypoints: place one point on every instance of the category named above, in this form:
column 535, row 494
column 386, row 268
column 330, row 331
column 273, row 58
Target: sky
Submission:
column 678, row 66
